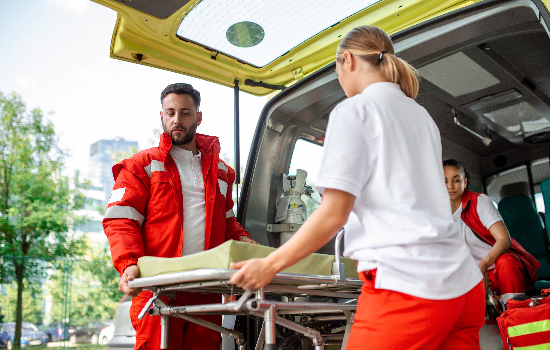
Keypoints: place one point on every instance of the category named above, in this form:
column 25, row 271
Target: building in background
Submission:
column 93, row 208
column 103, row 155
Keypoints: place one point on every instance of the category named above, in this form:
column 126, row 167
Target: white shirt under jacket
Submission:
column 194, row 208
column 385, row 149
column 488, row 215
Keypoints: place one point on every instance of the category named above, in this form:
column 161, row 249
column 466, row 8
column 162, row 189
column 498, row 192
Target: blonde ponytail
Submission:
column 373, row 45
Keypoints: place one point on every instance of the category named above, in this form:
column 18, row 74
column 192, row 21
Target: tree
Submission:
column 32, row 311
column 93, row 287
column 36, row 200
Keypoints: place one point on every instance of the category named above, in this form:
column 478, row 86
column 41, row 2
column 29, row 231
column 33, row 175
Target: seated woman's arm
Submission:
column 503, row 243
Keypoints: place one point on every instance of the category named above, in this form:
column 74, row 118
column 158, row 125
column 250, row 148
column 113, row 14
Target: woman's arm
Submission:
column 502, row 244
column 318, row 229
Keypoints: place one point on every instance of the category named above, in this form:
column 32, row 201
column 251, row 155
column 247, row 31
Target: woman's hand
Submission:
column 483, row 267
column 253, row 273
column 318, row 229
column 502, row 244
column 247, row 240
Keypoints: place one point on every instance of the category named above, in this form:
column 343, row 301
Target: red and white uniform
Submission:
column 515, row 271
column 145, row 217
column 420, row 279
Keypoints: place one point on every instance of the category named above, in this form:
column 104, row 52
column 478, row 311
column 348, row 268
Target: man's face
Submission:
column 180, row 118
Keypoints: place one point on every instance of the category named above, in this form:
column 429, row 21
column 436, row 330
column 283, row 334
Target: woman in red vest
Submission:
column 507, row 267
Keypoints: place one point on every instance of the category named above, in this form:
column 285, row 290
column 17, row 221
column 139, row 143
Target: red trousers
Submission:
column 509, row 275
column 182, row 334
column 392, row 320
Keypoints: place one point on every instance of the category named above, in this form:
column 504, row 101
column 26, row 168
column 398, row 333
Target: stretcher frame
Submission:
column 256, row 303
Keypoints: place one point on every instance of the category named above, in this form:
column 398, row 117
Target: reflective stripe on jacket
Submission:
column 145, row 216
column 471, row 219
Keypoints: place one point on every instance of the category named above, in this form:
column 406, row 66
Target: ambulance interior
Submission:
column 485, row 80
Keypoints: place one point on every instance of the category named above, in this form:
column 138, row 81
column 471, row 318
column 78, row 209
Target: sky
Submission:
column 55, row 55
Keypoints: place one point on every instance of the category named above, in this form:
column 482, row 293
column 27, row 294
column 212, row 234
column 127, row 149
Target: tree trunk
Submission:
column 19, row 273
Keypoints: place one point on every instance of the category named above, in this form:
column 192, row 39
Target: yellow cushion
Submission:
column 234, row 251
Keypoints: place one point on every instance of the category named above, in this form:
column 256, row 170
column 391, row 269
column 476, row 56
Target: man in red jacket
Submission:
column 171, row 201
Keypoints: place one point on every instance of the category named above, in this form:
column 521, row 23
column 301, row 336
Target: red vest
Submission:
column 471, row 219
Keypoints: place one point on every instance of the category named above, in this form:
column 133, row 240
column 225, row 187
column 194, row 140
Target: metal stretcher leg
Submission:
column 269, row 326
column 314, row 335
column 233, row 334
column 164, row 331
column 261, row 338
column 350, row 316
column 165, row 311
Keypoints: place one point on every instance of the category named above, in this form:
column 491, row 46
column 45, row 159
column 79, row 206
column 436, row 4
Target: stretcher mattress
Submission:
column 234, row 251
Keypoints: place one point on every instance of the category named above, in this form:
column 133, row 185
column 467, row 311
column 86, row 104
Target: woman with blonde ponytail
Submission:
column 381, row 177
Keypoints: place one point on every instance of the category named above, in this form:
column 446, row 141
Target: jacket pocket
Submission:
column 162, row 197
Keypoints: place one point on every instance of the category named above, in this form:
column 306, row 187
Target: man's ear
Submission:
column 160, row 115
column 199, row 118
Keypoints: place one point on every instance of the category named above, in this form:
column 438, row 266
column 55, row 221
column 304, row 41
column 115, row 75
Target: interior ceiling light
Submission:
column 512, row 112
column 493, row 101
column 458, row 75
column 519, row 119
column 260, row 31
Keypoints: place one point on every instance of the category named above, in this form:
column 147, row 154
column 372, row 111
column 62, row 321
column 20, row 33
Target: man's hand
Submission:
column 247, row 240
column 129, row 274
column 253, row 273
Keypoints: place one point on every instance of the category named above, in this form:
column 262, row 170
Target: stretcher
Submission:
column 315, row 298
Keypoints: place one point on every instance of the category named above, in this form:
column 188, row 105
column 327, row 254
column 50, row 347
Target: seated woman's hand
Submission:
column 483, row 267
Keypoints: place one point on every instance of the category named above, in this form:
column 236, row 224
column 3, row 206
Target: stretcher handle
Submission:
column 338, row 268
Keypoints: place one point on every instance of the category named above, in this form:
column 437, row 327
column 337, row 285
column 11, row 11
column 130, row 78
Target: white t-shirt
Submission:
column 488, row 215
column 194, row 208
column 385, row 149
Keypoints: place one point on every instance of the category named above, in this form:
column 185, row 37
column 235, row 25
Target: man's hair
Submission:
column 182, row 89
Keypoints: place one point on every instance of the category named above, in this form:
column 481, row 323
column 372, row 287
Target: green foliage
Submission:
column 93, row 287
column 32, row 303
column 36, row 200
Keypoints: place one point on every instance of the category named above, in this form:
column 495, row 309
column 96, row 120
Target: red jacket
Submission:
column 471, row 219
column 145, row 213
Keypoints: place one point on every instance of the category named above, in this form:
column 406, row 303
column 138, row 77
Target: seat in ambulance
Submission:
column 525, row 225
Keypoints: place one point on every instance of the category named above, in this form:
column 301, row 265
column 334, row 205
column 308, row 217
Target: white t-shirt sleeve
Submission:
column 487, row 212
column 348, row 157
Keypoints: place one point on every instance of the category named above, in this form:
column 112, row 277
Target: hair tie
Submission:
column 381, row 55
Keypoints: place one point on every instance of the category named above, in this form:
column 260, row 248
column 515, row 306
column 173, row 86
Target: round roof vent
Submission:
column 245, row 34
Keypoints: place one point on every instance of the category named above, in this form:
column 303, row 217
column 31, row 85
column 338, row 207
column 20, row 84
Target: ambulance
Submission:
column 485, row 79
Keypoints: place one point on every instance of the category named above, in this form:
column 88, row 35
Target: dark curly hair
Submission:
column 182, row 89
column 460, row 167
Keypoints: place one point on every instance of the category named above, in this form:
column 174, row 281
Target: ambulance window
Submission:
column 258, row 32
column 495, row 182
column 307, row 156
column 540, row 170
column 539, row 202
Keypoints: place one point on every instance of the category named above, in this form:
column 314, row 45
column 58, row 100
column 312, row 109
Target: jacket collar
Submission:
column 205, row 143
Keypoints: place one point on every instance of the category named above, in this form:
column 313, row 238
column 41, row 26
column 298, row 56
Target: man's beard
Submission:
column 187, row 137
